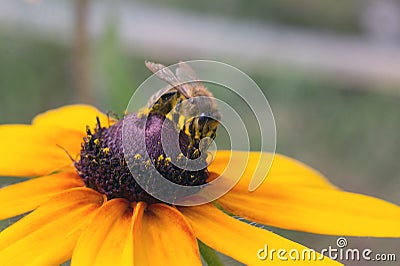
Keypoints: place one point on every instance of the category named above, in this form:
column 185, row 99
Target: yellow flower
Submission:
column 68, row 220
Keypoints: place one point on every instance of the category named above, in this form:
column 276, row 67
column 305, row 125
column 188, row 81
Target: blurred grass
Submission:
column 349, row 134
column 116, row 75
column 34, row 76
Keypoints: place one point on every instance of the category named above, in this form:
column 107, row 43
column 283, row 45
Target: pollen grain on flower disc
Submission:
column 103, row 167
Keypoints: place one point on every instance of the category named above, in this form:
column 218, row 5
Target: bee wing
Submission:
column 164, row 73
column 184, row 72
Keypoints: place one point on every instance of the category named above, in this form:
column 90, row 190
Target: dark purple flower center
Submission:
column 103, row 167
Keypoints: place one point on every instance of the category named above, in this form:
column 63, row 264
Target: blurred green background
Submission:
column 343, row 122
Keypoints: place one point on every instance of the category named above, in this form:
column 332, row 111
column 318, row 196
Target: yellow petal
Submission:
column 297, row 198
column 242, row 241
column 315, row 210
column 36, row 151
column 26, row 196
column 109, row 238
column 104, row 239
column 166, row 238
column 48, row 235
column 134, row 240
column 75, row 117
column 284, row 169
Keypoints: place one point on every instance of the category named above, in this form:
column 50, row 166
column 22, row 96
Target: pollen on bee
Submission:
column 96, row 141
column 137, row 156
column 180, row 156
column 160, row 158
column 106, row 150
column 167, row 161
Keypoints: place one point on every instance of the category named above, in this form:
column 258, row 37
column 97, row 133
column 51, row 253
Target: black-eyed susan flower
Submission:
column 91, row 211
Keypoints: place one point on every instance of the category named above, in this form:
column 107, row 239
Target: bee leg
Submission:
column 196, row 153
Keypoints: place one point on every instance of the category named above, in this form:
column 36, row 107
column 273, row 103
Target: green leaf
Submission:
column 209, row 255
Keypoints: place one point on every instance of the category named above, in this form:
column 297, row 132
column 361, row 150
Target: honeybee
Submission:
column 182, row 103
